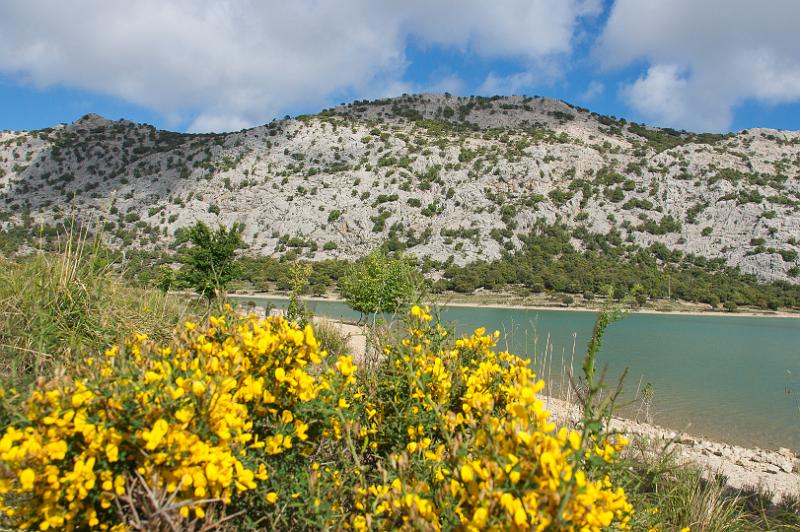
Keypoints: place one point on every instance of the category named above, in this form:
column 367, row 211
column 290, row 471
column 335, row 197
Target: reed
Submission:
column 57, row 307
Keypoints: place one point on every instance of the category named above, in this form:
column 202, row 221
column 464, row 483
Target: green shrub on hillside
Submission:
column 209, row 263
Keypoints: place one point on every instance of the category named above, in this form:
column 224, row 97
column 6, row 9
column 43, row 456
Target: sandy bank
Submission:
column 477, row 304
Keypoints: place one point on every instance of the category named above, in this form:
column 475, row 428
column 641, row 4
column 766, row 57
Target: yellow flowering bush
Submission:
column 248, row 421
column 479, row 449
column 200, row 421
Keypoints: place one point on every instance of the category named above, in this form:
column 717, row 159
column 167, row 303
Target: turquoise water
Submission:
column 736, row 379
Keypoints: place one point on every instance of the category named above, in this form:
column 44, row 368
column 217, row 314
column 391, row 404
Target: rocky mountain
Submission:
column 436, row 175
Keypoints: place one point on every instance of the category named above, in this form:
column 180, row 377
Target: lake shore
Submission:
column 475, row 301
column 746, row 469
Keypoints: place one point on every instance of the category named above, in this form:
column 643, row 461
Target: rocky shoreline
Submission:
column 744, row 469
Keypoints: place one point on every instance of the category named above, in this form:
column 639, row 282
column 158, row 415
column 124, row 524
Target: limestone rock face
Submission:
column 442, row 175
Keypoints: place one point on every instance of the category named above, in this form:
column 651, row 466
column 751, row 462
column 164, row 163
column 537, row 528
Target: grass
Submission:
column 672, row 496
column 669, row 495
column 55, row 307
column 331, row 339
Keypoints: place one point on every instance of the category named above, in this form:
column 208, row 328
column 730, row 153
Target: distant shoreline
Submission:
column 517, row 306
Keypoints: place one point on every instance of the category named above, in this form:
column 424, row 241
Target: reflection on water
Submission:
column 732, row 378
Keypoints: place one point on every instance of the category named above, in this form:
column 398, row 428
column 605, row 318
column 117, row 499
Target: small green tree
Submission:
column 165, row 279
column 379, row 283
column 299, row 273
column 209, row 264
column 639, row 294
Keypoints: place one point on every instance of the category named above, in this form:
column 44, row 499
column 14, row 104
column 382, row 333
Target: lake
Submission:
column 735, row 379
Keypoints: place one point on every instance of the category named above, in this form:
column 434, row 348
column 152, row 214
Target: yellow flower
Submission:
column 81, row 397
column 480, row 516
column 212, row 472
column 208, row 409
column 359, row 523
column 198, row 388
column 119, row 485
column 575, row 440
column 520, row 517
column 301, row 430
column 467, row 474
column 112, row 452
column 26, row 479
column 154, row 437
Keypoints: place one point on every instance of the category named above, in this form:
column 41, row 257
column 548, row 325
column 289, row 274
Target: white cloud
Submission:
column 667, row 95
column 594, row 89
column 531, row 29
column 512, row 84
column 703, row 58
column 451, row 83
column 239, row 63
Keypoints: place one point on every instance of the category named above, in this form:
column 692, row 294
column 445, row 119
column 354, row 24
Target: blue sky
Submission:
column 205, row 65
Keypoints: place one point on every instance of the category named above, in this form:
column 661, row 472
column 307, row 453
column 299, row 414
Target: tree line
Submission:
column 212, row 261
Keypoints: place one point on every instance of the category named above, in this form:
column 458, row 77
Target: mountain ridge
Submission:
column 435, row 175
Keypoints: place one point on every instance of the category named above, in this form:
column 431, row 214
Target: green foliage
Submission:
column 297, row 311
column 661, row 139
column 548, row 261
column 615, row 194
column 331, row 339
column 166, row 279
column 380, row 283
column 667, row 224
column 560, row 197
column 209, row 264
column 265, row 274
